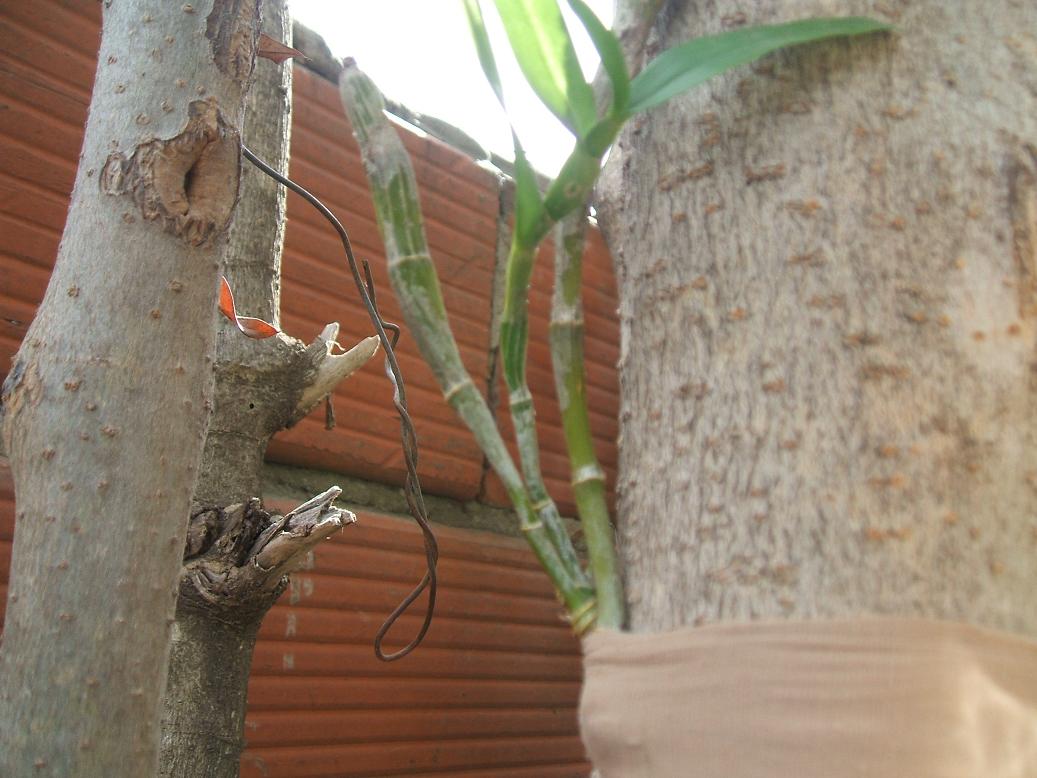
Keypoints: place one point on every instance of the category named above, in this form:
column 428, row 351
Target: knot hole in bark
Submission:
column 187, row 183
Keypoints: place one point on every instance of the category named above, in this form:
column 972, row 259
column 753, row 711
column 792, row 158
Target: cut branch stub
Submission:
column 238, row 557
column 188, row 182
column 332, row 368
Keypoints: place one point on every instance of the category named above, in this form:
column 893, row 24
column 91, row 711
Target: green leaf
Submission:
column 529, row 208
column 546, row 55
column 610, row 52
column 688, row 65
column 529, row 205
column 483, row 48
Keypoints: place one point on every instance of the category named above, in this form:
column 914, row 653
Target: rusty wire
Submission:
column 409, row 438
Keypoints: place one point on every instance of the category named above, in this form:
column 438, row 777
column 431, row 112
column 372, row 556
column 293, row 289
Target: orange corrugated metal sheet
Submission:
column 47, row 53
column 493, row 687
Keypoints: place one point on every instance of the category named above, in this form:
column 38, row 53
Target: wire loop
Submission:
column 408, row 435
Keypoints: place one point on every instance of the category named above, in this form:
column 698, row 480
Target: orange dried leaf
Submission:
column 227, row 300
column 275, row 51
column 256, row 328
column 253, row 328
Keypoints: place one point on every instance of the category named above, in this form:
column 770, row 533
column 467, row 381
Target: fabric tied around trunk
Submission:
column 874, row 697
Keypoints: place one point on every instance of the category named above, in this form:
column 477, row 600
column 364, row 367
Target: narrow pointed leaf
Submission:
column 275, row 51
column 528, row 202
column 483, row 48
column 692, row 63
column 253, row 328
column 548, row 60
column 610, row 52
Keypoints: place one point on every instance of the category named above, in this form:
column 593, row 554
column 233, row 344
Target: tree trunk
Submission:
column 204, row 717
column 254, row 382
column 203, row 721
column 228, row 582
column 827, row 270
column 106, row 403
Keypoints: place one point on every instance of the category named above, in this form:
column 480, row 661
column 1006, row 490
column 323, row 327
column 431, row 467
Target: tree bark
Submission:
column 254, row 378
column 826, row 267
column 233, row 572
column 106, row 403
column 210, row 661
column 203, row 718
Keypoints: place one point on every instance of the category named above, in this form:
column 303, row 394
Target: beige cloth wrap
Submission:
column 881, row 698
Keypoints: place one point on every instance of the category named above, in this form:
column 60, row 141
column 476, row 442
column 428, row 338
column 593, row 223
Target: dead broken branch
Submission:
column 240, row 556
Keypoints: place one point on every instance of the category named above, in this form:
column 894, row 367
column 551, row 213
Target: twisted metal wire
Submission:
column 409, row 438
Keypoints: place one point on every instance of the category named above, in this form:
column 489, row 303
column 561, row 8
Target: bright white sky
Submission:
column 420, row 53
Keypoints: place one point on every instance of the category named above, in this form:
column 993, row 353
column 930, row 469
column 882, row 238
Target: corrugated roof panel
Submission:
column 407, row 724
column 285, row 693
column 41, row 56
column 326, row 591
column 364, row 760
column 32, row 204
column 61, row 22
column 320, row 625
column 344, row 660
column 499, row 668
column 391, row 565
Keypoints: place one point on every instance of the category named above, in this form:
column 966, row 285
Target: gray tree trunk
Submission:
column 107, row 401
column 238, row 556
column 203, row 720
column 827, row 270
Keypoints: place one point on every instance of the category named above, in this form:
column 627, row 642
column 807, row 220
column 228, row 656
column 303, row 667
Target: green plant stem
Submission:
column 416, row 285
column 588, row 477
column 567, row 194
column 513, row 339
